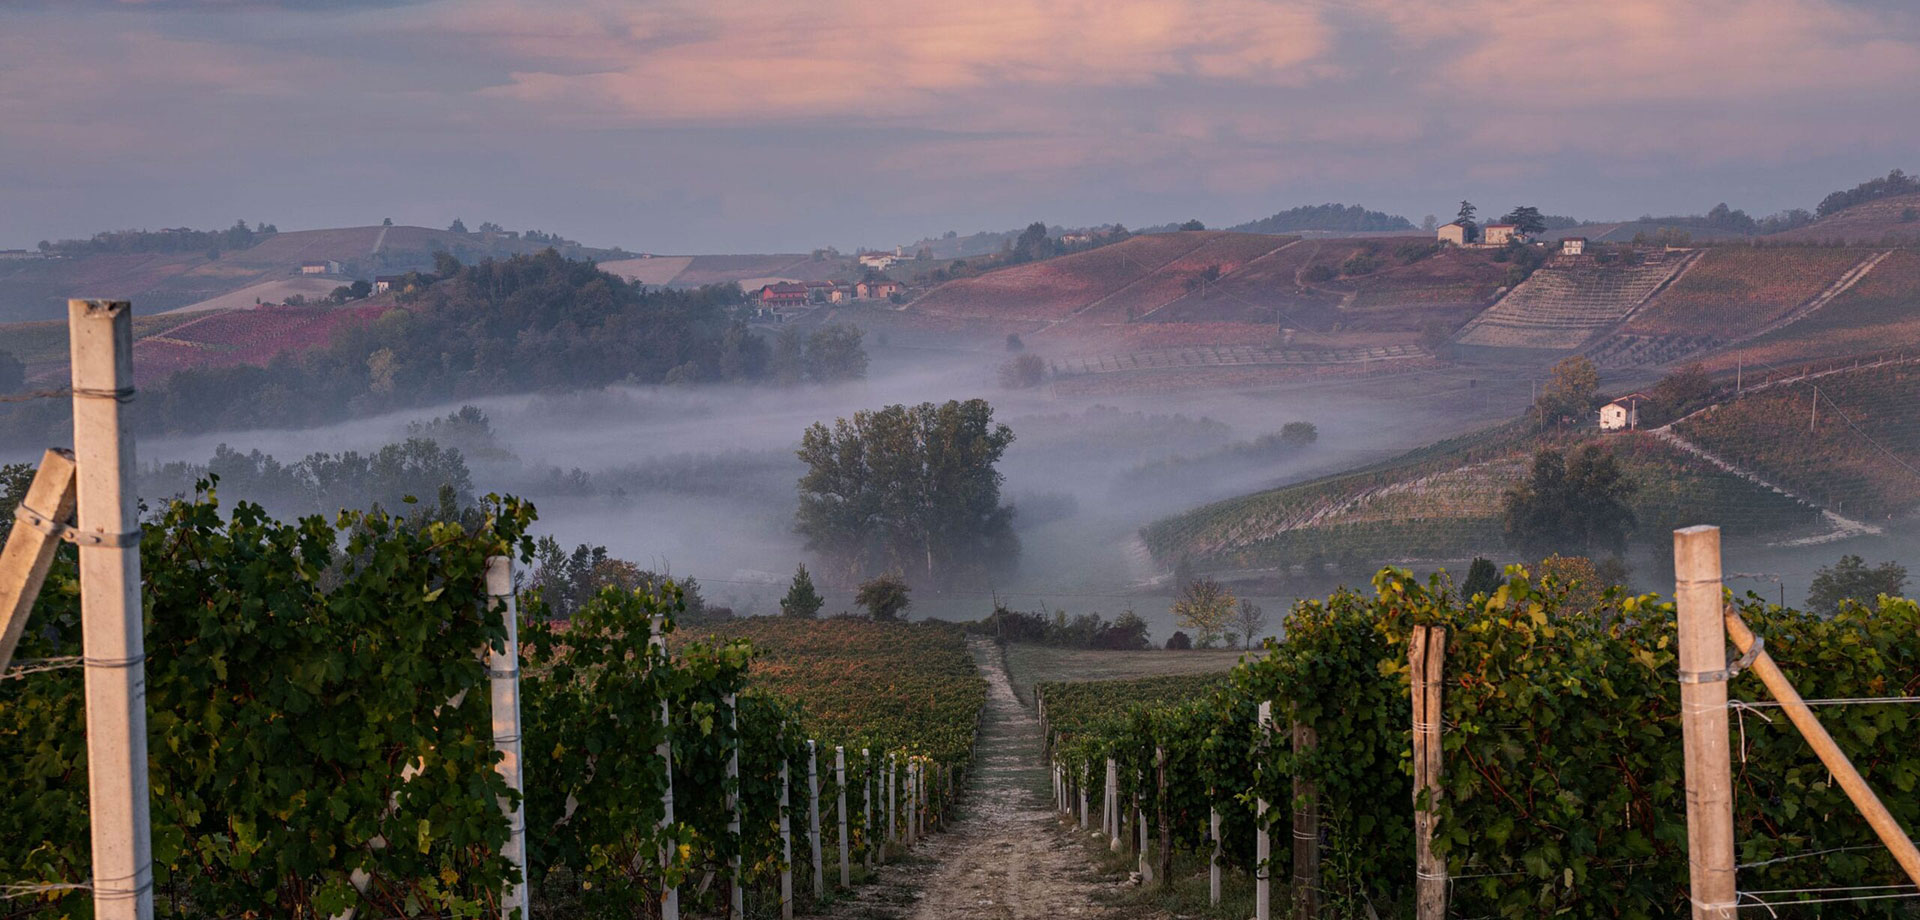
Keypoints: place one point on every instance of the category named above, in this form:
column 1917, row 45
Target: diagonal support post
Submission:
column 42, row 517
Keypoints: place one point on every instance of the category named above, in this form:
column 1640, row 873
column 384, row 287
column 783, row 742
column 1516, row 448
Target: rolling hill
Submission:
column 1894, row 220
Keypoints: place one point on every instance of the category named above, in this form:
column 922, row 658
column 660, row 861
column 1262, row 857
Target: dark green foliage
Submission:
column 1851, row 581
column 1483, row 577
column 908, row 489
column 1347, row 217
column 1675, row 395
column 834, row 353
column 1573, row 506
column 238, row 236
column 418, row 469
column 1193, row 225
column 1895, row 183
column 886, row 597
column 1363, row 262
column 1179, row 642
column 14, row 480
column 1571, row 393
column 802, row 600
column 1318, row 274
column 568, row 581
column 1057, row 628
column 1526, row 219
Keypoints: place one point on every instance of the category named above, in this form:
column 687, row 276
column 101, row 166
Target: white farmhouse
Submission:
column 1622, row 414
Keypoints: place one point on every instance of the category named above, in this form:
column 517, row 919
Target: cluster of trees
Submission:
column 390, row 478
column 1894, row 183
column 1572, row 503
column 568, row 580
column 512, row 325
column 1851, row 580
column 1339, row 217
column 908, row 489
column 1734, row 220
column 1571, row 394
column 1211, row 610
column 1057, row 628
column 829, row 354
column 180, row 239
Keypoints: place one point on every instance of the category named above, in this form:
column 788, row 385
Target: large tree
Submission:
column 1571, row 393
column 1851, row 579
column 802, row 600
column 1571, row 505
column 910, row 489
column 1206, row 607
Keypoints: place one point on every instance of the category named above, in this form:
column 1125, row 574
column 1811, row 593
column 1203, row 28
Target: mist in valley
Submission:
column 700, row 481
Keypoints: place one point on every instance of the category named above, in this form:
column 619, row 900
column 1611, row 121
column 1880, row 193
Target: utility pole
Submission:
column 1813, row 421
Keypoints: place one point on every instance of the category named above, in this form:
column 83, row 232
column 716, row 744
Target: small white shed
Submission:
column 1621, row 414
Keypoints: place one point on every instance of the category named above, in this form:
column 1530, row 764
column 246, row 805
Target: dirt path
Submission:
column 1005, row 856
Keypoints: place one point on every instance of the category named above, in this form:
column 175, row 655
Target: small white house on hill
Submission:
column 1573, row 246
column 1622, row 414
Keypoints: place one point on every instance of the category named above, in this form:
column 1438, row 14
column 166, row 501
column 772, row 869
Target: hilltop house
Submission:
column 783, row 294
column 878, row 261
column 1501, row 234
column 877, row 289
column 327, row 267
column 385, row 283
column 1455, row 233
column 1621, row 414
column 1573, row 246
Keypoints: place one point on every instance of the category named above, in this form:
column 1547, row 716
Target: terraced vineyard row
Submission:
column 1734, row 291
column 1565, row 304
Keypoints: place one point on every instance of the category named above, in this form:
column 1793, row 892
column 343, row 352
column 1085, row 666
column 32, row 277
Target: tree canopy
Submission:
column 1571, row 505
column 1571, row 393
column 908, row 489
column 1347, row 217
column 1851, row 579
column 802, row 600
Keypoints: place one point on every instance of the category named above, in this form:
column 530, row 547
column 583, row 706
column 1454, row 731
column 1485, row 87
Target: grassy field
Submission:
column 1032, row 664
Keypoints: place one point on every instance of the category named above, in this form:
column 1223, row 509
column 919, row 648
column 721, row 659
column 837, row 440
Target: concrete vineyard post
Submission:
column 1703, row 722
column 30, row 548
column 1142, row 847
column 1110, row 805
column 100, row 334
column 1306, row 829
column 840, row 780
column 1084, row 779
column 1166, row 827
column 786, row 847
column 1262, row 845
column 1427, row 656
column 892, row 829
column 1213, row 859
column 813, row 818
column 866, row 803
column 736, row 884
column 669, row 899
column 503, row 672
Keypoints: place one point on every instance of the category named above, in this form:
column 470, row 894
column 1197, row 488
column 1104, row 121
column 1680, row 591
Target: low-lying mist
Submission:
column 700, row 480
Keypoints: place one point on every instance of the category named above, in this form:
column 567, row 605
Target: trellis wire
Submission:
column 1781, row 859
column 28, row 666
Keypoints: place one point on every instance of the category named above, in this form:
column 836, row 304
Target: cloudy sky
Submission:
column 751, row 125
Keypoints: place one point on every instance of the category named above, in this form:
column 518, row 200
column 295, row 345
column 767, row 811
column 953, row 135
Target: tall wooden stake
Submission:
column 1166, row 825
column 670, row 900
column 1703, row 722
column 1427, row 656
column 813, row 818
column 1306, row 830
column 101, row 337
column 503, row 671
column 31, row 546
column 866, row 802
column 1110, row 805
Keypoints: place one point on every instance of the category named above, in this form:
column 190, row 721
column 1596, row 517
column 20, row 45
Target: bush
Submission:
column 1316, row 274
column 1179, row 642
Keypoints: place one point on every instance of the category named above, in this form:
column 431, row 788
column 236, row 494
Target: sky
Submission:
column 750, row 126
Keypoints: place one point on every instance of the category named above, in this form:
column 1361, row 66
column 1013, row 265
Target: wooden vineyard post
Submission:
column 1213, row 860
column 112, row 629
column 1166, row 826
column 1084, row 779
column 840, row 780
column 1306, row 829
column 866, row 803
column 786, row 848
column 670, row 899
column 1262, row 842
column 1703, row 722
column 736, row 882
column 1110, row 806
column 42, row 515
column 1884, row 824
column 813, row 818
column 893, row 787
column 913, row 799
column 503, row 671
column 1427, row 657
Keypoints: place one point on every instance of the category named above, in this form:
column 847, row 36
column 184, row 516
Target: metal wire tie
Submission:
column 1729, row 672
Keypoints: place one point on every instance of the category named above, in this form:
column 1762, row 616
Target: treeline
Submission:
column 1735, row 220
column 522, row 324
column 1345, row 217
column 1894, row 183
column 391, row 478
column 180, row 239
column 1057, row 628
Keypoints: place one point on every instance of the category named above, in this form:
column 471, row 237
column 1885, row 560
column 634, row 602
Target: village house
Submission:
column 385, row 283
column 1622, row 414
column 1455, row 233
column 327, row 267
column 1501, row 234
column 783, row 294
column 1573, row 246
column 877, row 289
column 878, row 261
